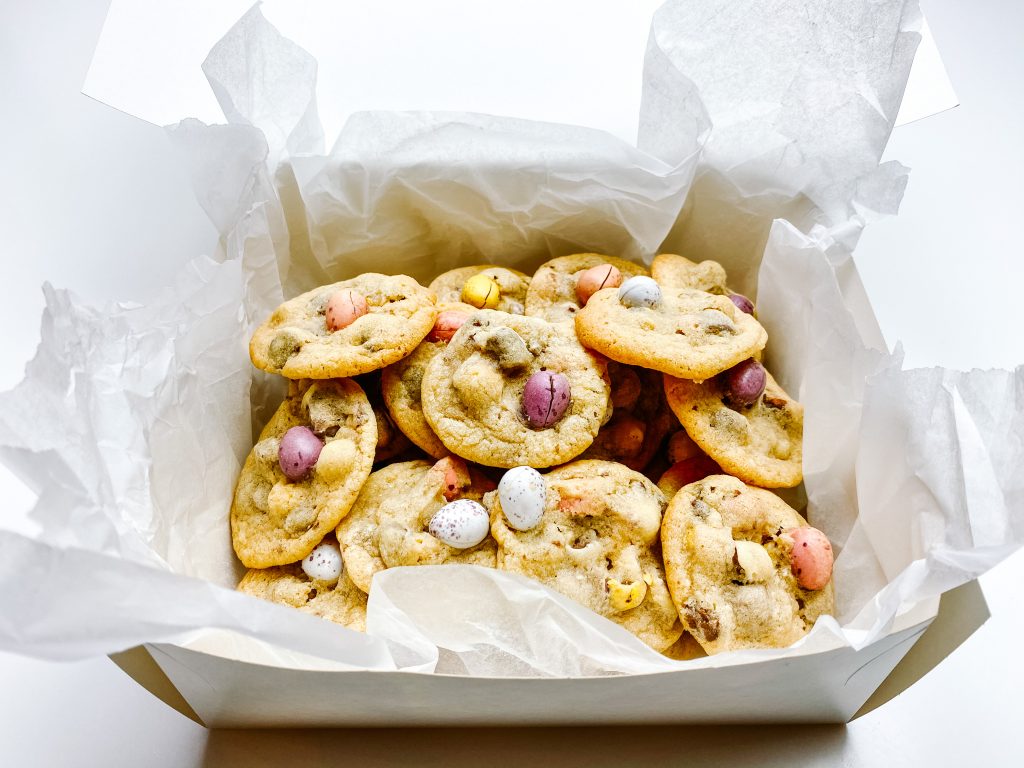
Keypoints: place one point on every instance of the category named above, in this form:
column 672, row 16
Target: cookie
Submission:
column 388, row 525
column 680, row 331
column 342, row 603
column 596, row 542
column 305, row 472
column 640, row 418
column 391, row 441
column 376, row 320
column 552, row 295
column 401, row 382
column 511, row 285
column 685, row 648
column 729, row 560
column 761, row 443
column 672, row 271
column 511, row 390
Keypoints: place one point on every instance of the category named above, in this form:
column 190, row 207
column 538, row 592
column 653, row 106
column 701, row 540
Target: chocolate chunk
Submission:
column 284, row 346
column 701, row 620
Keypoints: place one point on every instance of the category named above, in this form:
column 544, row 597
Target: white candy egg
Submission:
column 522, row 493
column 462, row 524
column 323, row 563
column 640, row 291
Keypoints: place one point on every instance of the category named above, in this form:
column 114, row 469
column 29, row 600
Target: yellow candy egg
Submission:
column 481, row 292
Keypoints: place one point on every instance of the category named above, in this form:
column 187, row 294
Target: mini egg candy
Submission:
column 592, row 280
column 344, row 308
column 640, row 291
column 461, row 524
column 545, row 398
column 522, row 493
column 745, row 382
column 298, row 452
column 811, row 559
column 481, row 292
column 446, row 324
column 323, row 563
column 691, row 469
column 743, row 304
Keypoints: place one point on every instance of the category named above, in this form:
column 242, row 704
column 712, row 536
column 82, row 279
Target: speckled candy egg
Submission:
column 640, row 291
column 545, row 398
column 323, row 563
column 745, row 382
column 344, row 308
column 522, row 492
column 298, row 452
column 812, row 557
column 461, row 524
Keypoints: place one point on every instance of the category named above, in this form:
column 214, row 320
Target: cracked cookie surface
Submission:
column 277, row 521
column 761, row 444
column 472, row 393
column 689, row 334
column 401, row 385
column 296, row 342
column 387, row 526
column 728, row 564
column 597, row 543
column 552, row 295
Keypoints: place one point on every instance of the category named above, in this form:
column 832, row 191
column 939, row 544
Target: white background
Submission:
column 945, row 278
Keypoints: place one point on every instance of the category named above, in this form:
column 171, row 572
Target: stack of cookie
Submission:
column 417, row 419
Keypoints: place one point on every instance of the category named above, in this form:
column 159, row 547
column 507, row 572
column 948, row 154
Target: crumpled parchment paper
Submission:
column 768, row 122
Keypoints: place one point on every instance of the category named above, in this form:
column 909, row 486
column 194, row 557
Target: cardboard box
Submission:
column 222, row 689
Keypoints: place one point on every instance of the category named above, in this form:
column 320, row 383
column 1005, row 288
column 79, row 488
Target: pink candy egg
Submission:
column 344, row 308
column 298, row 452
column 812, row 557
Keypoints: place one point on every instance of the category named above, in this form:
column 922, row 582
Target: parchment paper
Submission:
column 134, row 418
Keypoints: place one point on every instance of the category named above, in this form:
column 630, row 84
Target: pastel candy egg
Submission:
column 323, row 563
column 298, row 452
column 481, row 292
column 743, row 304
column 344, row 308
column 812, row 557
column 745, row 382
column 592, row 280
column 522, row 493
column 446, row 324
column 461, row 524
column 545, row 398
column 640, row 291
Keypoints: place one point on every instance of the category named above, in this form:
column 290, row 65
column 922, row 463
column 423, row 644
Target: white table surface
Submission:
column 77, row 171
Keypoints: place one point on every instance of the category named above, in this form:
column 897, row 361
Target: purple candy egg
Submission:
column 743, row 304
column 745, row 382
column 545, row 398
column 300, row 448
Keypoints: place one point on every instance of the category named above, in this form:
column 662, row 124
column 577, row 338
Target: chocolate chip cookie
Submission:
column 506, row 290
column 345, row 329
column 732, row 569
column 761, row 443
column 305, row 472
column 684, row 332
column 388, row 525
column 553, row 291
column 511, row 390
column 596, row 542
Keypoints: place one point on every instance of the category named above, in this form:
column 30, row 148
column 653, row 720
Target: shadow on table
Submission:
column 650, row 746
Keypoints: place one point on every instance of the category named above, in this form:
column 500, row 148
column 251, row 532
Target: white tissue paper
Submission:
column 134, row 419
